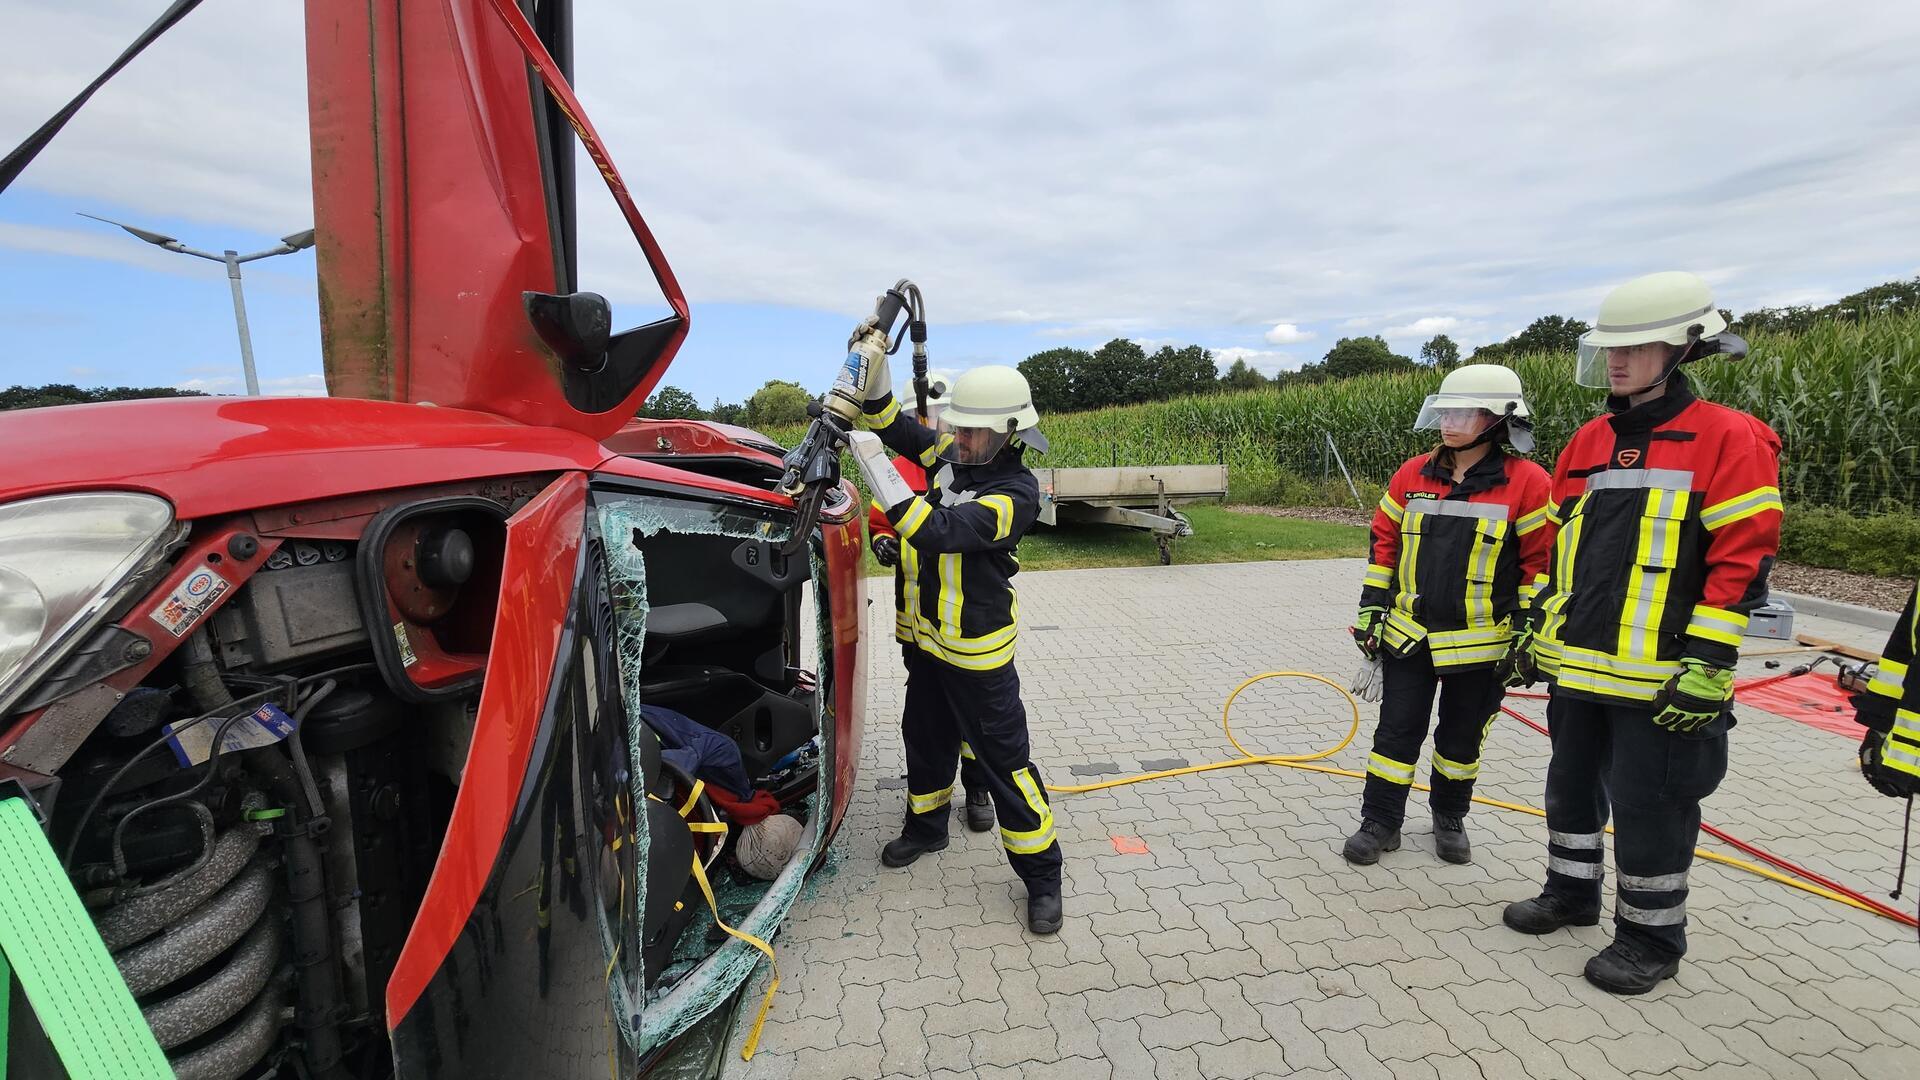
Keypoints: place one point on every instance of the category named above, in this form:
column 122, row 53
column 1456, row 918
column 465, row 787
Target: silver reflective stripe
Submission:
column 1456, row 508
column 1575, row 840
column 1669, row 479
column 1634, row 328
column 1591, row 871
column 1654, row 882
column 1657, row 916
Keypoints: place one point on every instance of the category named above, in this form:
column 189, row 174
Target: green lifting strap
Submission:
column 77, row 994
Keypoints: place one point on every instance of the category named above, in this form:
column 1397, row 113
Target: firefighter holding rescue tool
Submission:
column 1667, row 513
column 961, row 683
column 1459, row 540
column 904, row 560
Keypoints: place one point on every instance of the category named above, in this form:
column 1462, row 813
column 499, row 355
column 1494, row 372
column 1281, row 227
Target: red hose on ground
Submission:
column 1798, row 871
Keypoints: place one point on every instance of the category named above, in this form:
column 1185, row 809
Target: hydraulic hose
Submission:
column 1814, row 883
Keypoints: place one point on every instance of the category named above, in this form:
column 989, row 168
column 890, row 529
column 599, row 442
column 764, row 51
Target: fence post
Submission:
column 1357, row 501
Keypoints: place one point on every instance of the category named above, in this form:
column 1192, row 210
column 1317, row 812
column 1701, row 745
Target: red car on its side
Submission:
column 332, row 706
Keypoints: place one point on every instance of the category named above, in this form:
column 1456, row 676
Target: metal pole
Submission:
column 240, row 318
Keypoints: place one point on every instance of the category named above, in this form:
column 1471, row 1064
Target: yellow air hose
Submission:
column 1304, row 761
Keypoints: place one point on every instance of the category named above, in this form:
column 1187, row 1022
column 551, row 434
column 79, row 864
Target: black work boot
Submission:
column 1365, row 845
column 1450, row 838
column 903, row 849
column 979, row 811
column 1043, row 913
column 1626, row 967
column 1546, row 913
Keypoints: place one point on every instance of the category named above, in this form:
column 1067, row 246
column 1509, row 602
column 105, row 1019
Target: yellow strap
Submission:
column 759, row 1021
column 699, row 787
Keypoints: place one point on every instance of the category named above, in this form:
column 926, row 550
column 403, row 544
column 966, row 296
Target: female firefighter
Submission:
column 957, row 551
column 887, row 551
column 1668, row 517
column 1458, row 541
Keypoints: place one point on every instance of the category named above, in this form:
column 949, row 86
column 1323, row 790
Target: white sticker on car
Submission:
column 189, row 600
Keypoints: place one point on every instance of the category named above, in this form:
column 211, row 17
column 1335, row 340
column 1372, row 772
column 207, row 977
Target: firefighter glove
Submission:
column 1694, row 698
column 1368, row 683
column 1885, row 780
column 1366, row 630
column 1519, row 667
column 886, row 550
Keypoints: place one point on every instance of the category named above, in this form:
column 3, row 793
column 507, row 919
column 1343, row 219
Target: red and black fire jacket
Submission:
column 1452, row 562
column 1667, row 519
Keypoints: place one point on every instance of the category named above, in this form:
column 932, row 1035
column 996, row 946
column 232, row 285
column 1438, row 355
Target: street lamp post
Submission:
column 231, row 259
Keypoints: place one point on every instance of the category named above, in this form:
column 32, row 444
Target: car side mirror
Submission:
column 577, row 326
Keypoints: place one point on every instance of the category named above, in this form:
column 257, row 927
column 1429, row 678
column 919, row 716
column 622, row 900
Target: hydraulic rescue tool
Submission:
column 813, row 467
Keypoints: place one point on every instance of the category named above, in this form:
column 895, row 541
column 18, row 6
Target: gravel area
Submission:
column 1881, row 593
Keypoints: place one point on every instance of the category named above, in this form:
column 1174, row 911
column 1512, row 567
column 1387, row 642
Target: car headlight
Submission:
column 63, row 562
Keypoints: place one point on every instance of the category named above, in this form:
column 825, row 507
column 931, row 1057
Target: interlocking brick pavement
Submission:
column 1241, row 945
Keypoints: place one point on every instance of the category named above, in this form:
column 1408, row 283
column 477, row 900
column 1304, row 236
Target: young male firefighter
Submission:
column 1668, row 518
column 1458, row 541
column 887, row 552
column 1890, row 711
column 957, row 556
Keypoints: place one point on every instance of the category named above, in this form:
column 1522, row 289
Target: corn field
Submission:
column 1845, row 398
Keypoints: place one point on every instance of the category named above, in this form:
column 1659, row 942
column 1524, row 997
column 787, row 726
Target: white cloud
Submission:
column 1130, row 185
column 1287, row 333
column 1424, row 327
column 1263, row 361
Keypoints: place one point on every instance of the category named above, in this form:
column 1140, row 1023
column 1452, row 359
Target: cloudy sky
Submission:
column 1261, row 179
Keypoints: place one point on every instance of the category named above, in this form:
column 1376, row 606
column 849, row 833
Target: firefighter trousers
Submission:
column 1468, row 702
column 1613, row 756
column 972, row 778
column 947, row 706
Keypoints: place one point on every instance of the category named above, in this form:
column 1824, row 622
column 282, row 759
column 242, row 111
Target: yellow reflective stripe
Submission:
column 1902, row 748
column 1488, row 537
column 1527, row 593
column 1566, row 544
column 1464, row 655
column 1391, row 509
column 1394, row 772
column 982, row 643
column 1455, row 770
column 1553, row 513
column 885, row 416
column 951, row 596
column 926, row 804
column 1409, row 562
column 932, row 453
column 1890, row 680
column 1402, row 628
column 1645, row 605
column 1496, row 634
column 966, row 751
column 1530, row 522
column 1002, row 514
column 1741, row 507
column 1378, row 577
column 1594, row 682
column 1717, row 624
column 918, row 511
column 1035, row 840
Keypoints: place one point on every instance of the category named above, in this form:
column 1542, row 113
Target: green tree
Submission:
column 1116, row 374
column 778, row 403
column 1242, row 376
column 37, row 397
column 1441, row 352
column 1363, row 356
column 727, row 413
column 1550, row 334
column 672, row 403
column 1178, row 372
column 1050, row 376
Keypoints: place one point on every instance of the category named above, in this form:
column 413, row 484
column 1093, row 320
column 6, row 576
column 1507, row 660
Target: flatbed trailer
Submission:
column 1136, row 496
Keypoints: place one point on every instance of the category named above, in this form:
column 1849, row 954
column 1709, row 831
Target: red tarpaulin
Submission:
column 1813, row 699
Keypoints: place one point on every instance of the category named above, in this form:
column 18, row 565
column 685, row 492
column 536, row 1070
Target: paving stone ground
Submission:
column 1241, row 945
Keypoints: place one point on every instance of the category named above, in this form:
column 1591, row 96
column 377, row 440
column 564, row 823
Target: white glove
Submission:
column 889, row 490
column 1368, row 682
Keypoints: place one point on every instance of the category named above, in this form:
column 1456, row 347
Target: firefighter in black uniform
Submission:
column 957, row 551
column 1667, row 518
column 1890, row 711
column 1459, row 543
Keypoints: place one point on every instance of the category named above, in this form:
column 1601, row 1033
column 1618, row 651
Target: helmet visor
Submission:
column 967, row 445
column 1622, row 369
column 1455, row 415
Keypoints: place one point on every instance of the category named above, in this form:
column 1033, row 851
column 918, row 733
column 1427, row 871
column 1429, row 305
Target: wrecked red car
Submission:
column 330, row 709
